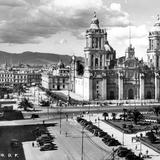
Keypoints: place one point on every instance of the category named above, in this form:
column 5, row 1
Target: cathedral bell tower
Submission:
column 98, row 57
column 94, row 49
column 153, row 52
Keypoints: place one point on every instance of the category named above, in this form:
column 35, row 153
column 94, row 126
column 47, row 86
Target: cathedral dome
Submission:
column 107, row 47
column 94, row 22
column 156, row 27
column 60, row 64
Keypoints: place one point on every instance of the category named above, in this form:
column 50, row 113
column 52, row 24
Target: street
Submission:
column 70, row 146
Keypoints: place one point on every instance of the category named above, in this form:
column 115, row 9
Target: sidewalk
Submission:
column 124, row 138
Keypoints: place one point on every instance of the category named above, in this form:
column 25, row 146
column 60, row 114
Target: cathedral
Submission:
column 102, row 76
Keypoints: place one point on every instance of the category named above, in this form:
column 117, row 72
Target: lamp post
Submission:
column 60, row 116
column 98, row 121
column 123, row 138
column 82, row 149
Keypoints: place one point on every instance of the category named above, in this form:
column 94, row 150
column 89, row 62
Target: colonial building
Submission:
column 11, row 78
column 102, row 76
column 57, row 78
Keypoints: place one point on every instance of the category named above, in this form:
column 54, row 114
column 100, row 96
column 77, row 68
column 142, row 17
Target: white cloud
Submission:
column 44, row 18
column 63, row 41
column 123, row 32
column 115, row 6
column 11, row 3
column 78, row 4
column 119, row 38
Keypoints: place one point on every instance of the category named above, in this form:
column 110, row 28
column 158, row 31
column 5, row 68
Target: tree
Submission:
column 105, row 114
column 156, row 128
column 19, row 89
column 156, row 111
column 151, row 137
column 45, row 103
column 25, row 104
column 114, row 116
column 135, row 115
column 124, row 114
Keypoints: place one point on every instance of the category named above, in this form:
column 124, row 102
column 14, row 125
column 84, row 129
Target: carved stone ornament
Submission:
column 103, row 74
column 142, row 75
column 97, row 54
column 157, row 75
column 121, row 75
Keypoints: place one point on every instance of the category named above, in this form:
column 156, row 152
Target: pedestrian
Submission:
column 112, row 135
column 136, row 147
column 147, row 152
column 43, row 121
column 66, row 134
column 32, row 144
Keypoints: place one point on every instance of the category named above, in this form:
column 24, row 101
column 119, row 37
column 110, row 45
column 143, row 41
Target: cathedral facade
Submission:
column 102, row 76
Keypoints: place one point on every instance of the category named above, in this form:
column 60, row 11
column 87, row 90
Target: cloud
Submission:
column 119, row 38
column 120, row 33
column 44, row 18
column 63, row 41
column 11, row 3
column 115, row 6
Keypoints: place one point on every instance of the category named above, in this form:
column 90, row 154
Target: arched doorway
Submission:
column 130, row 94
column 111, row 95
column 149, row 96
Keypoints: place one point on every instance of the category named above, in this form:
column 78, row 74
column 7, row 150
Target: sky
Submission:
column 58, row 26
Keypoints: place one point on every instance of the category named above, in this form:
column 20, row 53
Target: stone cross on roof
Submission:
column 158, row 17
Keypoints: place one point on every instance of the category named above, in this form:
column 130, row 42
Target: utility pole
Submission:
column 60, row 120
column 113, row 155
column 140, row 146
column 48, row 109
column 82, row 144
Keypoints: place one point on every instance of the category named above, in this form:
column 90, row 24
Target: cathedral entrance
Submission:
column 149, row 95
column 111, row 95
column 58, row 87
column 130, row 94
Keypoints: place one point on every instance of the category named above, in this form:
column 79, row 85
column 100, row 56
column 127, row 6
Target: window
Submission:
column 91, row 60
column 99, row 42
column 53, row 86
column 63, row 86
column 100, row 60
column 96, row 61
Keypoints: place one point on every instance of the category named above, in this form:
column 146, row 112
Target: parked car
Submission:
column 41, row 143
column 44, row 137
column 122, row 151
column 34, row 116
column 14, row 143
column 102, row 134
column 47, row 147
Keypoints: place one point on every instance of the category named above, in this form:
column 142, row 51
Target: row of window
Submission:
column 58, row 86
column 12, row 80
column 19, row 76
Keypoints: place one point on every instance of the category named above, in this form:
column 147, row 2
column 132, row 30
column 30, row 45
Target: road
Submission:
column 45, row 111
column 70, row 147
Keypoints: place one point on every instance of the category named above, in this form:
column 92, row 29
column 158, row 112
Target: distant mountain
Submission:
column 33, row 58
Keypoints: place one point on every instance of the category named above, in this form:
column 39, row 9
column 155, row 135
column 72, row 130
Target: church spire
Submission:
column 94, row 22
